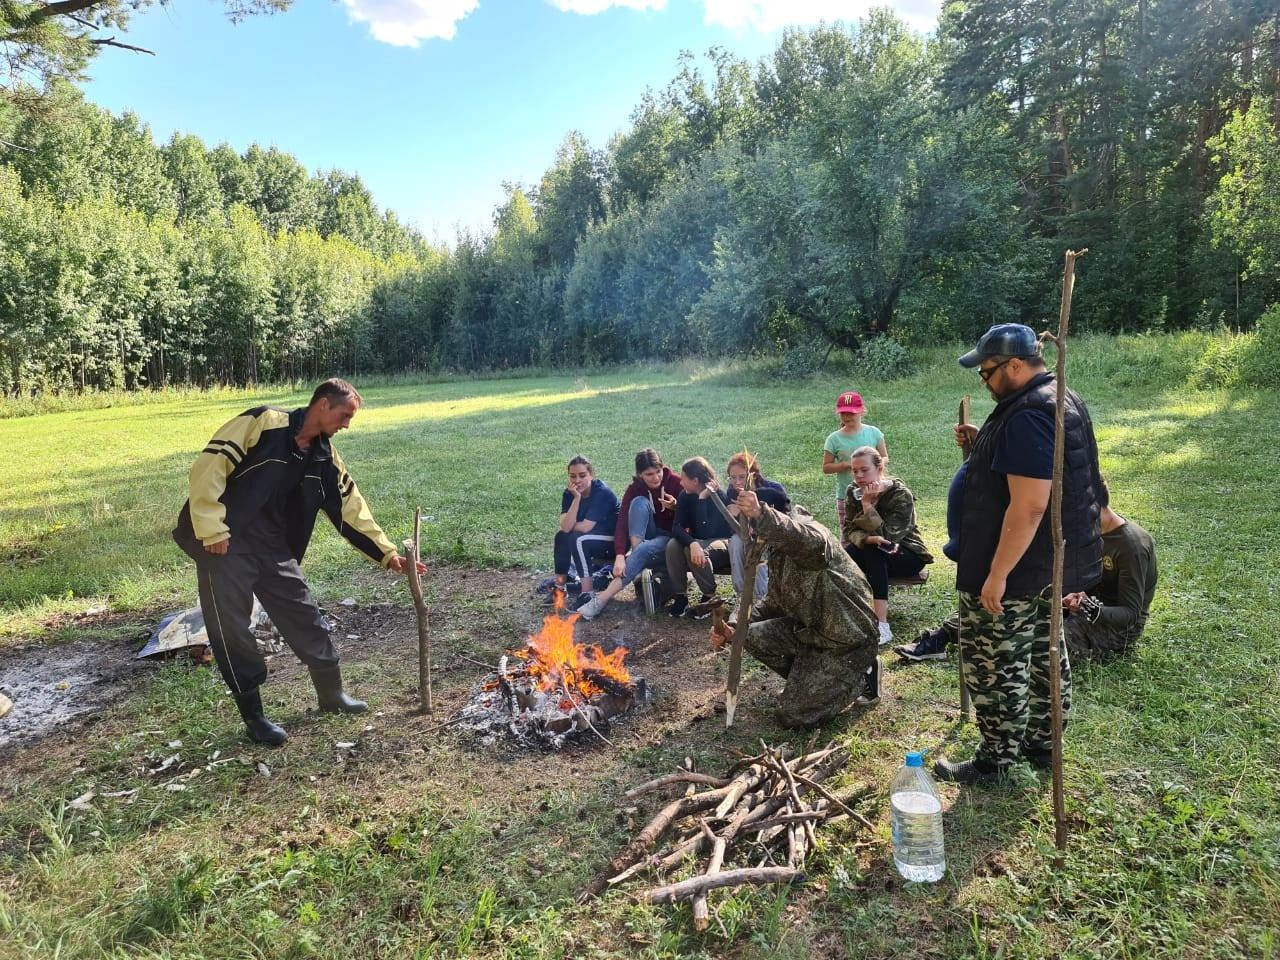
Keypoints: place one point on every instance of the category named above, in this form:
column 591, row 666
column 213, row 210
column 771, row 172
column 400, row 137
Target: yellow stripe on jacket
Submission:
column 208, row 478
column 356, row 513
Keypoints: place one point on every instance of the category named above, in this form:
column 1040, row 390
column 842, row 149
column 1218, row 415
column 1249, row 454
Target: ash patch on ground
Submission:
column 63, row 686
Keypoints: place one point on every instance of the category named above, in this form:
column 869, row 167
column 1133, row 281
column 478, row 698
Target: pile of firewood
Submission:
column 763, row 815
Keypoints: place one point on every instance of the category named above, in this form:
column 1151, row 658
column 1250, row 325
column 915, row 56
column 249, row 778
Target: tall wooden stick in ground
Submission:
column 966, row 448
column 413, row 548
column 1059, row 549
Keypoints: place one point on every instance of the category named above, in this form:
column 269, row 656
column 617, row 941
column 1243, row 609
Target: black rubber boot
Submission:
column 329, row 692
column 261, row 730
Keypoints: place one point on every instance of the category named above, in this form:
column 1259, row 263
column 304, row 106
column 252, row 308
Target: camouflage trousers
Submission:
column 1095, row 641
column 1006, row 668
column 821, row 681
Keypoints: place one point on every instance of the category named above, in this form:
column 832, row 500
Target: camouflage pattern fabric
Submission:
column 817, row 626
column 1097, row 641
column 821, row 683
column 1006, row 668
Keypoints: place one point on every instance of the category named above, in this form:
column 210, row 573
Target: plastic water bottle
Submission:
column 917, row 823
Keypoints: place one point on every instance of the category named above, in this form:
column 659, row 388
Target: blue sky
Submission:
column 434, row 103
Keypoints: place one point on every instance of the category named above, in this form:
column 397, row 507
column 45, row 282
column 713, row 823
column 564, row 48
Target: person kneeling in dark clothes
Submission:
column 880, row 530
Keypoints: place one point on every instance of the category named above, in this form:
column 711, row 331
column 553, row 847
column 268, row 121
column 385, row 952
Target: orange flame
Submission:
column 556, row 660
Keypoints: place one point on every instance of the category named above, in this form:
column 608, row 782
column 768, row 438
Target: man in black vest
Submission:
column 1005, row 558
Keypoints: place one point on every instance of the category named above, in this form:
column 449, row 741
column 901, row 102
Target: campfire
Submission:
column 554, row 688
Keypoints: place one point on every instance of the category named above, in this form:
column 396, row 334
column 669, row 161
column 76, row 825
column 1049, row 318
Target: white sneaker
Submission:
column 886, row 635
column 591, row 609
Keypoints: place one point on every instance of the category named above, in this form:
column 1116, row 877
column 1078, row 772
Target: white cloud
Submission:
column 769, row 15
column 591, row 7
column 403, row 23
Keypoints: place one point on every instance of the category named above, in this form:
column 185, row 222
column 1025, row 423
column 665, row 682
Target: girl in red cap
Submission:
column 853, row 433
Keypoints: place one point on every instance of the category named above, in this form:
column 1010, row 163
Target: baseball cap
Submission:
column 850, row 402
column 1003, row 340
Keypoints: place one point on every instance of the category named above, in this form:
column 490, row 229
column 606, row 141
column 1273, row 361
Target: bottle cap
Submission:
column 915, row 760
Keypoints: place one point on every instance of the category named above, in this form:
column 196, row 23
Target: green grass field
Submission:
column 1172, row 755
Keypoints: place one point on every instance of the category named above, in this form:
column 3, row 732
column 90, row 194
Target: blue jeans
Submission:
column 738, row 564
column 653, row 551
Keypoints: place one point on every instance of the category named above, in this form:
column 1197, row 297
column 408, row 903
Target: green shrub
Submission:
column 884, row 358
column 801, row 361
column 1260, row 360
column 1220, row 364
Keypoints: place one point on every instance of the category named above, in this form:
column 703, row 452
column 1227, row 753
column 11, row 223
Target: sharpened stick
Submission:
column 745, row 603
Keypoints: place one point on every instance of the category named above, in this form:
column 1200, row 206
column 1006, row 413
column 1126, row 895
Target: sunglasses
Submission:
column 990, row 372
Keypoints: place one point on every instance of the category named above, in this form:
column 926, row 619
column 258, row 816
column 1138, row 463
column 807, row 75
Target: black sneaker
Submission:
column 678, row 605
column 554, row 596
column 870, row 695
column 930, row 645
column 581, row 600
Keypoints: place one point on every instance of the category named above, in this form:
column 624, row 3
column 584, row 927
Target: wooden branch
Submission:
column 1059, row 552
column 687, row 889
column 745, row 603
column 59, row 8
column 818, row 811
column 799, row 806
column 412, row 549
column 965, row 449
column 583, row 714
column 835, row 801
column 647, row 837
column 684, row 776
column 719, row 844
column 738, row 788
column 113, row 42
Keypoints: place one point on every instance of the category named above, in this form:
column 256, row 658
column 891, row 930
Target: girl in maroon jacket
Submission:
column 644, row 526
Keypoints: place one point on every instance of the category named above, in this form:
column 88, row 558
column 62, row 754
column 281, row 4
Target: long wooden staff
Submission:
column 745, row 602
column 1059, row 551
column 966, row 447
column 412, row 549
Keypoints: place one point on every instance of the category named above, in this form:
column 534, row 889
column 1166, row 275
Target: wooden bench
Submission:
column 918, row 580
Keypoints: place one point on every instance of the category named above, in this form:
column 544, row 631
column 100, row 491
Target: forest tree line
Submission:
column 860, row 181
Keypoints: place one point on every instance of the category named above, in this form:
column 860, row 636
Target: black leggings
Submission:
column 880, row 566
column 582, row 550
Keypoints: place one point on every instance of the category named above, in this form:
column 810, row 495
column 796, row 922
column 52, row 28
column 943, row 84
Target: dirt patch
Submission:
column 59, row 688
column 62, row 686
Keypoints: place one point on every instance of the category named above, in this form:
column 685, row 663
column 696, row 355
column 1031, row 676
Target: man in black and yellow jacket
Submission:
column 254, row 493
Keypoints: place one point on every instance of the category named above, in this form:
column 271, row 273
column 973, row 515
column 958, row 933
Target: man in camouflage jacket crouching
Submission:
column 817, row 626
